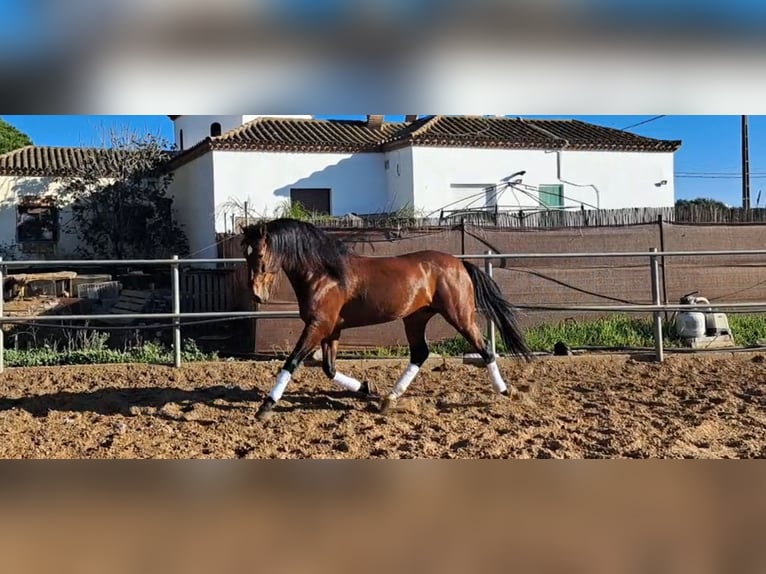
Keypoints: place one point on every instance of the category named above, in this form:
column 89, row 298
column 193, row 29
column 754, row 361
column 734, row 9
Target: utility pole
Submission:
column 745, row 166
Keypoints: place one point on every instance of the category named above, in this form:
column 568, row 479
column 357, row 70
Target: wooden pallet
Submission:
column 130, row 302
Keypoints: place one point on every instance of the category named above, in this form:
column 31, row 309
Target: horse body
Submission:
column 338, row 290
column 389, row 288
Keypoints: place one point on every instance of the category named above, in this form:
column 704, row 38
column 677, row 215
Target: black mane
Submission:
column 303, row 246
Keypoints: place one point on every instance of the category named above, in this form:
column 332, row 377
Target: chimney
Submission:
column 410, row 118
column 374, row 121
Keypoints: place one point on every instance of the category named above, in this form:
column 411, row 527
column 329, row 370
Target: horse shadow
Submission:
column 120, row 401
column 113, row 401
column 326, row 401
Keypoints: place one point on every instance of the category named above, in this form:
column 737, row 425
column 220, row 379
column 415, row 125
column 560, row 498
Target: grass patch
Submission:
column 618, row 331
column 747, row 329
column 615, row 331
column 96, row 352
column 612, row 331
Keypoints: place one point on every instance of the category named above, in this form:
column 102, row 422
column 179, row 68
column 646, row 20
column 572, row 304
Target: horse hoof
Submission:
column 368, row 389
column 512, row 394
column 386, row 405
column 266, row 410
column 264, row 415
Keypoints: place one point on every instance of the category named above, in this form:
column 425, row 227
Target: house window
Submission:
column 315, row 200
column 37, row 221
column 215, row 129
column 472, row 196
column 551, row 195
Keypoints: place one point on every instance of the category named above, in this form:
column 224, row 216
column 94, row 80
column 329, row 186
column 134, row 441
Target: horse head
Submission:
column 263, row 264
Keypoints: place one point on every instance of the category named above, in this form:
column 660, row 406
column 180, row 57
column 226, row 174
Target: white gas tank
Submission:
column 690, row 324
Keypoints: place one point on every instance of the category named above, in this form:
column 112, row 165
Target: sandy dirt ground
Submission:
column 601, row 406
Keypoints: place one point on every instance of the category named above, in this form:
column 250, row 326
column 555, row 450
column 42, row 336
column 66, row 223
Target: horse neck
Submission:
column 298, row 277
column 301, row 280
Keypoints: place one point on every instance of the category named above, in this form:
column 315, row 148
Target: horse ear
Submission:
column 245, row 233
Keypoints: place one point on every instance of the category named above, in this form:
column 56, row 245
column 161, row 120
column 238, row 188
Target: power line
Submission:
column 732, row 173
column 690, row 176
column 642, row 123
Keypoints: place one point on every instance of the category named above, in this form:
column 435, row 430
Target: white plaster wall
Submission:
column 192, row 192
column 624, row 179
column 621, row 179
column 7, row 211
column 13, row 187
column 357, row 181
column 193, row 183
column 399, row 179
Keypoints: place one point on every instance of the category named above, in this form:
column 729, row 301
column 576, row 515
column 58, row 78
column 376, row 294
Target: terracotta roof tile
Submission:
column 354, row 136
column 56, row 161
column 582, row 135
column 298, row 134
column 510, row 133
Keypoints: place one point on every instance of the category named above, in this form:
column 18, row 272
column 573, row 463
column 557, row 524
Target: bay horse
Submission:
column 338, row 289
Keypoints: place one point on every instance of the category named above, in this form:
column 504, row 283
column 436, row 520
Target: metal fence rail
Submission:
column 656, row 308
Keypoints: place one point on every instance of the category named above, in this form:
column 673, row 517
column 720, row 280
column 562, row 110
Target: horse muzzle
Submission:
column 260, row 297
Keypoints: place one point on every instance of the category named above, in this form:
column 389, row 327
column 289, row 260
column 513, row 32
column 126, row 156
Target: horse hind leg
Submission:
column 469, row 329
column 415, row 329
column 329, row 353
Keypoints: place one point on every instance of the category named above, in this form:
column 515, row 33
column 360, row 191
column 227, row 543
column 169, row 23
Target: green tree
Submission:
column 11, row 138
column 702, row 202
column 119, row 201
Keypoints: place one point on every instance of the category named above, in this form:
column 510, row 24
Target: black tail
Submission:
column 490, row 300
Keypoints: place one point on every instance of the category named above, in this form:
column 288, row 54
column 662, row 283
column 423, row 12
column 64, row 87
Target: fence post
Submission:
column 655, row 272
column 490, row 324
column 661, row 224
column 176, row 285
column 2, row 332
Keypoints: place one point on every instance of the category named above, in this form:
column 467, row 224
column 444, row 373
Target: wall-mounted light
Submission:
column 508, row 178
column 661, row 183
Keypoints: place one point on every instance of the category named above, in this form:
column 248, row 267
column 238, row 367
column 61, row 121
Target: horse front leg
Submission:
column 311, row 336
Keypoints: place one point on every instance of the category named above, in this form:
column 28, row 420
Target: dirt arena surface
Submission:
column 602, row 406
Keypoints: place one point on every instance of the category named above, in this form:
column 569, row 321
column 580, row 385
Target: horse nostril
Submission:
column 257, row 298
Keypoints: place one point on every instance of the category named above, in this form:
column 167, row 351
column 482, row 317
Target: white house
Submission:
column 33, row 216
column 431, row 165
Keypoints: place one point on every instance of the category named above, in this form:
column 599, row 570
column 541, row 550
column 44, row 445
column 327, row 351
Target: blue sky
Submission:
column 707, row 165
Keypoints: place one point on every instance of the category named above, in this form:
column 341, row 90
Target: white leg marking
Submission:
column 346, row 382
column 497, row 379
column 404, row 381
column 282, row 379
